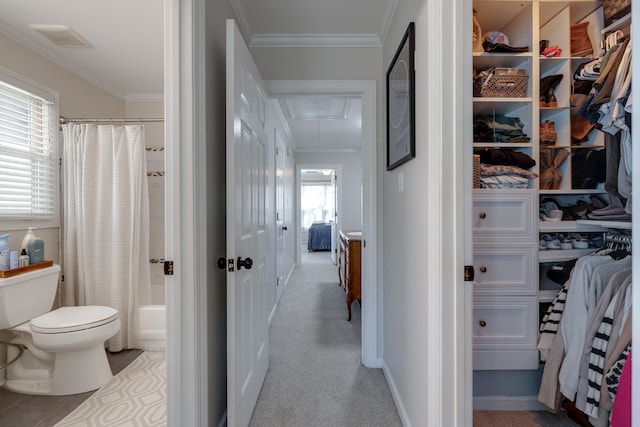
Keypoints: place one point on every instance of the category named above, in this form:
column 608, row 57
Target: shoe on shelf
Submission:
column 566, row 244
column 597, row 202
column 548, row 134
column 579, row 242
column 547, row 86
column 609, row 210
column 554, row 244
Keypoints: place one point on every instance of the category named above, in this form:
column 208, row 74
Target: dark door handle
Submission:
column 284, row 228
column 246, row 263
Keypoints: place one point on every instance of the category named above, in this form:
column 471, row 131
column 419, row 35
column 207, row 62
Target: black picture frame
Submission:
column 401, row 143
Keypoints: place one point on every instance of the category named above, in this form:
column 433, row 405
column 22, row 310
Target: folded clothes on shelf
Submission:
column 498, row 128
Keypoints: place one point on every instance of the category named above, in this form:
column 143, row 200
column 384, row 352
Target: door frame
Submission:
column 299, row 167
column 366, row 90
column 185, row 213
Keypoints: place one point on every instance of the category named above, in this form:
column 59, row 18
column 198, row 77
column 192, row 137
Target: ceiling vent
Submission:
column 316, row 108
column 61, row 35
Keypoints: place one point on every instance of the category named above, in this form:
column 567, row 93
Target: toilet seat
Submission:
column 71, row 319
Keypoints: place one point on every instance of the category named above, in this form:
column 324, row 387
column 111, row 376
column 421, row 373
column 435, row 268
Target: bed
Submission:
column 319, row 237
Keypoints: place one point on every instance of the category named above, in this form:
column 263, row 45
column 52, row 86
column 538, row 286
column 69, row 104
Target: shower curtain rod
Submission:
column 64, row 120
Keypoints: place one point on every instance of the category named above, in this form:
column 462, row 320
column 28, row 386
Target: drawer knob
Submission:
column 483, row 269
column 482, row 215
column 482, row 323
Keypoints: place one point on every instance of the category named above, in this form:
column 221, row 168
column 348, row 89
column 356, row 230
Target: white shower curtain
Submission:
column 105, row 237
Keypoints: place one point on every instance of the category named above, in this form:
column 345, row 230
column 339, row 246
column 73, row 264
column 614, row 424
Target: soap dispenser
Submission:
column 27, row 238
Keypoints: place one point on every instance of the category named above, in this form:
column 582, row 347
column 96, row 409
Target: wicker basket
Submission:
column 614, row 9
column 506, row 83
column 476, row 171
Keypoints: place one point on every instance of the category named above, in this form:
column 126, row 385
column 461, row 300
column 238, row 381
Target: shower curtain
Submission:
column 105, row 236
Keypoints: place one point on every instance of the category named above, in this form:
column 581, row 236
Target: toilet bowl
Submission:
column 63, row 349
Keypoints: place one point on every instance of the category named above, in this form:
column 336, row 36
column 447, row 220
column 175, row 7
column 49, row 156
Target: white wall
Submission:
column 77, row 98
column 422, row 284
column 350, row 182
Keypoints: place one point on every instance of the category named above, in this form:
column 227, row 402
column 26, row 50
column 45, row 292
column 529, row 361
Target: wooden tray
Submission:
column 8, row 273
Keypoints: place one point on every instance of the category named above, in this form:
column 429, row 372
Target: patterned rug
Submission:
column 134, row 397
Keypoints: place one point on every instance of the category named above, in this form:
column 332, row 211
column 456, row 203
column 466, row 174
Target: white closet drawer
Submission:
column 506, row 269
column 502, row 326
column 504, row 216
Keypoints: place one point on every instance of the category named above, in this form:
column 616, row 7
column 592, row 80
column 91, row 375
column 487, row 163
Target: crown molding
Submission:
column 386, row 20
column 242, row 19
column 328, row 150
column 40, row 50
column 144, row 97
column 315, row 40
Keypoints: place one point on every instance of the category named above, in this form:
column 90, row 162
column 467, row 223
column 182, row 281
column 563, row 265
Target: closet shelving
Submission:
column 510, row 269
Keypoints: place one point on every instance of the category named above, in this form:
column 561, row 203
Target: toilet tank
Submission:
column 27, row 295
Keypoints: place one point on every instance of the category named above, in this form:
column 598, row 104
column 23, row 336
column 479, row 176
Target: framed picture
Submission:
column 401, row 144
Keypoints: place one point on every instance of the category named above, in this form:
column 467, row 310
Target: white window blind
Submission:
column 28, row 155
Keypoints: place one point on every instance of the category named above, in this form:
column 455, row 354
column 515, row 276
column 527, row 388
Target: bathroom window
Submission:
column 28, row 154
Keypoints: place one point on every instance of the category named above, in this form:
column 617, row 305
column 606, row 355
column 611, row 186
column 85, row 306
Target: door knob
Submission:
column 246, row 263
column 284, row 228
column 482, row 215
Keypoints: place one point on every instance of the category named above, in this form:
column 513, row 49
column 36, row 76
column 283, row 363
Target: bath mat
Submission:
column 134, row 397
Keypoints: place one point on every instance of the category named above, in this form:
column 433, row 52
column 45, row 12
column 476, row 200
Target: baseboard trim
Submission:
column 402, row 412
column 223, row 420
column 507, row 403
column 273, row 313
column 286, row 282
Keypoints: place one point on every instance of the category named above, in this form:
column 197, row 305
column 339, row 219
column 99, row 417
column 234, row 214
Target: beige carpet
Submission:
column 135, row 397
column 315, row 376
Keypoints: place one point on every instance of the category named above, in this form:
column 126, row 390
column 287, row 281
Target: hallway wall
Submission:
column 351, row 182
column 423, row 289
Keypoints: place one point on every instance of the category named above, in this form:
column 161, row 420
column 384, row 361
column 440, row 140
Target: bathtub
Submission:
column 153, row 328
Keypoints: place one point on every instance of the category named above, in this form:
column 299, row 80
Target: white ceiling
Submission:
column 126, row 57
column 127, row 38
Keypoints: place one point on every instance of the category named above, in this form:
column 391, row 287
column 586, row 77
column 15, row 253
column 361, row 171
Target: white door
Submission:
column 281, row 227
column 247, row 317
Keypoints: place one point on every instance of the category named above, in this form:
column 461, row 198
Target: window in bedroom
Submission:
column 317, row 196
column 28, row 154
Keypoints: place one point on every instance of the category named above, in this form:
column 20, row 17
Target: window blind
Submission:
column 28, row 163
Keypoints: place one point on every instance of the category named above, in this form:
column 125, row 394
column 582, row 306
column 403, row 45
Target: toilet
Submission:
column 63, row 350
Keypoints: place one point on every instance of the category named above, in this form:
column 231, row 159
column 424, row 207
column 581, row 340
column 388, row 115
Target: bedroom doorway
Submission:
column 318, row 212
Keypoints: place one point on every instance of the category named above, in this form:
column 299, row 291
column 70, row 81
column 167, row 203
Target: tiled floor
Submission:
column 21, row 410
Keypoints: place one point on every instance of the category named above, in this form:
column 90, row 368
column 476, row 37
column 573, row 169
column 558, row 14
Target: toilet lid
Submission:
column 70, row 319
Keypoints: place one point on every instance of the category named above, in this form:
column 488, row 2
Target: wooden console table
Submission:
column 349, row 266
